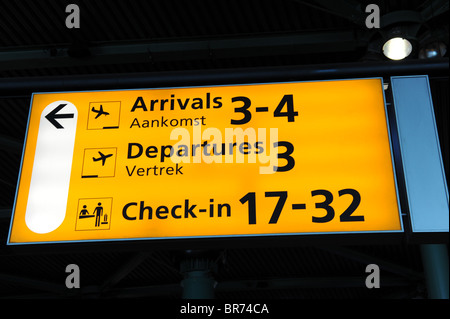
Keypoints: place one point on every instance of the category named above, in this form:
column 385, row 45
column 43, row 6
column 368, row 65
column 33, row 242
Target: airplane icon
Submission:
column 99, row 112
column 102, row 157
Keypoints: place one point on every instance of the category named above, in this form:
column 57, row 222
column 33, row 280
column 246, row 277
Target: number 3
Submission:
column 243, row 109
column 325, row 205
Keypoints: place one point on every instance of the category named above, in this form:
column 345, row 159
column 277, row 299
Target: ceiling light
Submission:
column 433, row 50
column 397, row 48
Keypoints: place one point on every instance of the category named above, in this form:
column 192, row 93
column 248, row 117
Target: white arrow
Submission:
column 50, row 179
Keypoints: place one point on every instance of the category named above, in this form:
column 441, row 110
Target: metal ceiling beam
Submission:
column 352, row 10
column 262, row 285
column 124, row 270
column 304, row 283
column 175, row 289
column 27, row 85
column 434, row 8
column 34, row 284
column 347, row 9
column 382, row 263
column 200, row 49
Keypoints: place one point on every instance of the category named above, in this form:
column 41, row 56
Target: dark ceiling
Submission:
column 165, row 39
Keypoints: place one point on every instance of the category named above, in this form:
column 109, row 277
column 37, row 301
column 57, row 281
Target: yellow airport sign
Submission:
column 258, row 159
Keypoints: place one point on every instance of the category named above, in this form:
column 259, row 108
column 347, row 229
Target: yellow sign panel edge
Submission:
column 401, row 230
